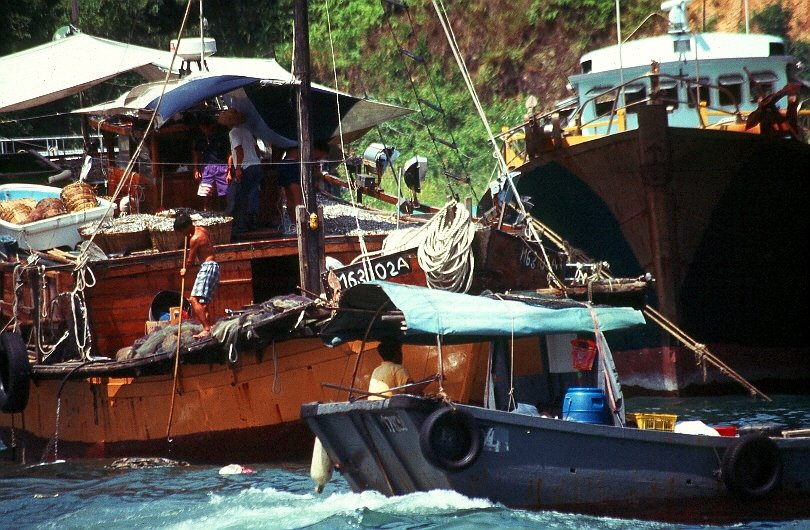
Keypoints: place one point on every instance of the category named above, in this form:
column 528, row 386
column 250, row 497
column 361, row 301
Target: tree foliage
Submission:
column 26, row 24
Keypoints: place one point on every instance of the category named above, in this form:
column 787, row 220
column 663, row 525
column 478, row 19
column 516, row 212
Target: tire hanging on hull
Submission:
column 450, row 439
column 752, row 467
column 15, row 373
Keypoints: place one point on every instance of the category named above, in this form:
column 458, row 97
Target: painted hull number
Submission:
column 379, row 269
column 393, row 424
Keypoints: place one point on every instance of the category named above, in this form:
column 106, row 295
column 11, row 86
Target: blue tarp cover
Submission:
column 461, row 317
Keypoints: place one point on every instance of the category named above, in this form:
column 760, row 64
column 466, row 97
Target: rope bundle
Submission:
column 446, row 255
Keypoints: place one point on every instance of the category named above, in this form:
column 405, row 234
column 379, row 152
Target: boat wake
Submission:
column 339, row 509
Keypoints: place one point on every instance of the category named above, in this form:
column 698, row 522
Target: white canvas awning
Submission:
column 67, row 66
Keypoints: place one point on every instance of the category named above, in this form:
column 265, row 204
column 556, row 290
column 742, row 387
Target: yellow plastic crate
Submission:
column 657, row 422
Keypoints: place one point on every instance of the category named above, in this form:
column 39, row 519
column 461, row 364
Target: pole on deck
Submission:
column 309, row 233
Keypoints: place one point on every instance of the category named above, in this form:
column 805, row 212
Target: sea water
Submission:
column 91, row 494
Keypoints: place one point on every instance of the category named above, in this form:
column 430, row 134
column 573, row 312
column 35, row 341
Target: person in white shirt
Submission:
column 247, row 172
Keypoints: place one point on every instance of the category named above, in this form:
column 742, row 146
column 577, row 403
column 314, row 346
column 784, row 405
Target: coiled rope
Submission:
column 446, row 255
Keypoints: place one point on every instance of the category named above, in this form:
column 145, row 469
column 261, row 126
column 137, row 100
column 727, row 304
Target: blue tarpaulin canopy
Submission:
column 271, row 107
column 461, row 318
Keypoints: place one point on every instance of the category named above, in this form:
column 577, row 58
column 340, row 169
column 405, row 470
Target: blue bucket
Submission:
column 586, row 405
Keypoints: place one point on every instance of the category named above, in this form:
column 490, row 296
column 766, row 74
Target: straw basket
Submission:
column 221, row 232
column 45, row 209
column 16, row 211
column 79, row 196
column 119, row 241
column 165, row 240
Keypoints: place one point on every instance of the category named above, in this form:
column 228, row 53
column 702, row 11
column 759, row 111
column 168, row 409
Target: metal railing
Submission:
column 47, row 146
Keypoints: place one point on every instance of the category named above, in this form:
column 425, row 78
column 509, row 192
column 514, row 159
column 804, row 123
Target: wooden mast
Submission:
column 309, row 238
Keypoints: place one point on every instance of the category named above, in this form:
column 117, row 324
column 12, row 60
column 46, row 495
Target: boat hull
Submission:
column 222, row 412
column 713, row 215
column 542, row 463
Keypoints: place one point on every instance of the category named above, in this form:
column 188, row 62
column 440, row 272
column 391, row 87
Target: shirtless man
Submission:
column 201, row 249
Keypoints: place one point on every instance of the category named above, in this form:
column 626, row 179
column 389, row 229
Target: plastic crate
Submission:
column 656, row 422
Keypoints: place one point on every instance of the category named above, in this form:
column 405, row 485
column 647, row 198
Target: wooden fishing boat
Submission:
column 686, row 168
column 80, row 387
column 77, row 390
column 582, row 453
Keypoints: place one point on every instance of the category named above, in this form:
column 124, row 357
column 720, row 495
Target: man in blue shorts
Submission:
column 205, row 285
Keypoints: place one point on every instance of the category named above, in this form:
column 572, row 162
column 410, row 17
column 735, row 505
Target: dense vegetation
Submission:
column 512, row 48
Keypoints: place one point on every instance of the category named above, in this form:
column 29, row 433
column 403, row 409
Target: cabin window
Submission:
column 668, row 93
column 698, row 92
column 634, row 94
column 776, row 48
column 760, row 84
column 730, row 92
column 122, row 155
column 604, row 101
column 587, row 66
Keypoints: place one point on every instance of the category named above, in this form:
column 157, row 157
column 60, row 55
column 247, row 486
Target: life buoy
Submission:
column 752, row 467
column 450, row 439
column 15, row 373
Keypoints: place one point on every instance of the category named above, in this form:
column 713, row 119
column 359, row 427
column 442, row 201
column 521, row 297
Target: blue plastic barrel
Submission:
column 586, row 405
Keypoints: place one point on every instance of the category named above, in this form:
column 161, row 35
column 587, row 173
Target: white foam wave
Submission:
column 293, row 510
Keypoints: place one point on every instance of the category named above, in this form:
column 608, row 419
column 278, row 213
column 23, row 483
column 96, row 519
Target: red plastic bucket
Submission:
column 726, row 430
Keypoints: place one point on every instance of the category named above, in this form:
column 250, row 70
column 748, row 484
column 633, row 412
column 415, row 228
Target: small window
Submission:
column 698, row 92
column 730, row 92
column 634, row 94
column 776, row 48
column 587, row 66
column 605, row 101
column 605, row 104
column 668, row 92
column 760, row 84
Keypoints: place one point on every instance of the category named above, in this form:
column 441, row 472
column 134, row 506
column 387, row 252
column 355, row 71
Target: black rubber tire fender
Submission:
column 450, row 439
column 752, row 467
column 15, row 373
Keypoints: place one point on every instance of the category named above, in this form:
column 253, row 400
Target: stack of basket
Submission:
column 79, row 196
column 16, row 211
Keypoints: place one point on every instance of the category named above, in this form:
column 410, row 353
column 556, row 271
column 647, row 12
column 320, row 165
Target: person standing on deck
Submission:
column 211, row 167
column 247, row 170
column 200, row 248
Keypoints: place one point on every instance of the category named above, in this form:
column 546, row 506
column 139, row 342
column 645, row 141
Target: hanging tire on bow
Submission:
column 450, row 439
column 752, row 467
column 15, row 373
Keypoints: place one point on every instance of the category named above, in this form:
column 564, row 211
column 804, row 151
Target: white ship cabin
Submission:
column 704, row 79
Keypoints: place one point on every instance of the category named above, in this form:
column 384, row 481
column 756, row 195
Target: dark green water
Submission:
column 88, row 494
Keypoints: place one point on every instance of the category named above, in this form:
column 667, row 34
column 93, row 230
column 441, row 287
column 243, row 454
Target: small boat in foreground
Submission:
column 591, row 461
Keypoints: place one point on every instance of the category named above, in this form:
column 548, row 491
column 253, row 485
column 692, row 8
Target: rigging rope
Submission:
column 446, row 254
column 437, row 107
column 448, row 30
column 351, row 183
